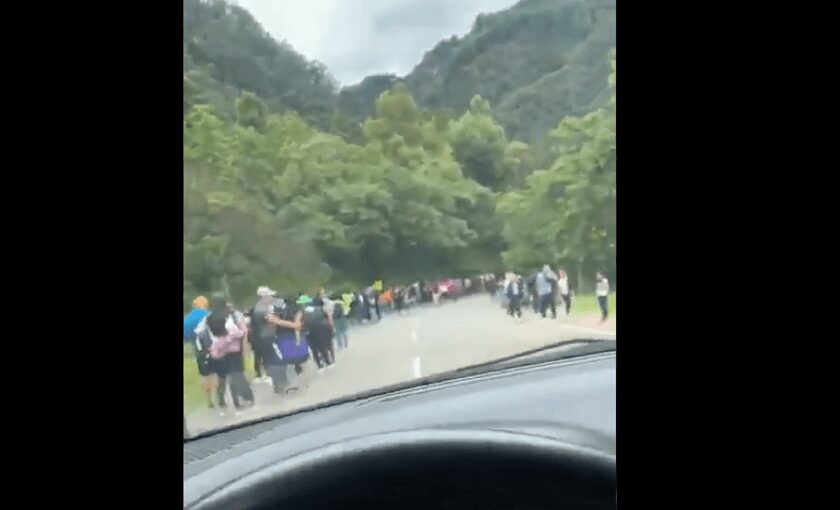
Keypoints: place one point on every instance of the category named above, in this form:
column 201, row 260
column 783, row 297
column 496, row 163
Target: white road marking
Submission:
column 416, row 363
column 414, row 336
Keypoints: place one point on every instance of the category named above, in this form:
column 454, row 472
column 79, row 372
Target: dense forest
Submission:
column 285, row 186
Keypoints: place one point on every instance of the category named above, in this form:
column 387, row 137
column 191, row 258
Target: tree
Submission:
column 478, row 144
column 575, row 199
column 287, row 192
column 251, row 111
column 244, row 57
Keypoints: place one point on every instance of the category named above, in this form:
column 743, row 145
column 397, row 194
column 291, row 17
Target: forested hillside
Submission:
column 227, row 51
column 535, row 63
column 280, row 189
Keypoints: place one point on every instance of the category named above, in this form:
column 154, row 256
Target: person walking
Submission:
column 399, row 299
column 208, row 368
column 372, row 297
column 411, row 296
column 532, row 289
column 200, row 310
column 364, row 308
column 443, row 290
column 227, row 334
column 563, row 288
column 514, row 294
column 347, row 301
column 602, row 291
column 341, row 324
column 387, row 299
column 355, row 309
column 319, row 331
column 545, row 290
column 286, row 348
column 262, row 331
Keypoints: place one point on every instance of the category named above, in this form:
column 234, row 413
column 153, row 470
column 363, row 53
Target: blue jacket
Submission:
column 192, row 320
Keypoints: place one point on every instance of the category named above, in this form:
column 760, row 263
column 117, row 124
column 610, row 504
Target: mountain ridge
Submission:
column 535, row 62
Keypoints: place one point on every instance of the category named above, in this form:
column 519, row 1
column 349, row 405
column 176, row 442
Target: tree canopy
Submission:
column 534, row 63
column 283, row 189
column 579, row 190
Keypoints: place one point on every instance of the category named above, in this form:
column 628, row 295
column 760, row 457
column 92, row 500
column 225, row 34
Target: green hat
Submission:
column 304, row 300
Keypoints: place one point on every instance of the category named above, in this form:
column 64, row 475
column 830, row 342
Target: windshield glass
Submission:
column 379, row 192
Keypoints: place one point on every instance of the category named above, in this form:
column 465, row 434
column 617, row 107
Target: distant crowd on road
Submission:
column 284, row 332
column 543, row 290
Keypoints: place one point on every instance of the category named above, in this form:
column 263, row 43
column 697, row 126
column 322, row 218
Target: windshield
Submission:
column 376, row 193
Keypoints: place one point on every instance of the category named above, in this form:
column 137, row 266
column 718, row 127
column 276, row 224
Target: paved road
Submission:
column 401, row 348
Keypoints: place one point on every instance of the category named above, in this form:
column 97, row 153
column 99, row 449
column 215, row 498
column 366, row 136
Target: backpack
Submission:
column 509, row 290
column 203, row 341
column 314, row 318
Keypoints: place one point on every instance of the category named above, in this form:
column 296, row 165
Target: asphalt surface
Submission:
column 400, row 348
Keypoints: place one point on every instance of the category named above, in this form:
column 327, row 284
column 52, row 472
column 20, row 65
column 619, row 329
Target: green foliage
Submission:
column 251, row 111
column 567, row 213
column 235, row 52
column 479, row 144
column 294, row 207
column 283, row 188
column 357, row 101
column 535, row 63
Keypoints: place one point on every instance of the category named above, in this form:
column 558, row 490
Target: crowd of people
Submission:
column 285, row 332
column 542, row 290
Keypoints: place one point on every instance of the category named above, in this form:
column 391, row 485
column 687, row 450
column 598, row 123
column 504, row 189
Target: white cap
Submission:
column 265, row 291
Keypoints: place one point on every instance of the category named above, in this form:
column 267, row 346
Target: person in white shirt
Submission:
column 563, row 289
column 602, row 290
column 514, row 291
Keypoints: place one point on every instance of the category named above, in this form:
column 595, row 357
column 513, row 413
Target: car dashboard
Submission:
column 536, row 436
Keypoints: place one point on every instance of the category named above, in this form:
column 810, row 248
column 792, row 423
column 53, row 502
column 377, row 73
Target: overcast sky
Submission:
column 356, row 38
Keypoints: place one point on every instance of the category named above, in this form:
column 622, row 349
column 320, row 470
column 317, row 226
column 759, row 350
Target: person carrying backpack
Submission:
column 208, row 368
column 319, row 331
column 225, row 334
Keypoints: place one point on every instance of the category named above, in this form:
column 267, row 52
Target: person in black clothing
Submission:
column 262, row 331
column 221, row 325
column 399, row 299
column 319, row 331
column 364, row 308
column 209, row 368
column 411, row 295
column 355, row 309
column 535, row 297
column 217, row 326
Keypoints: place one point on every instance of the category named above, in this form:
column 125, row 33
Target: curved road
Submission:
column 422, row 342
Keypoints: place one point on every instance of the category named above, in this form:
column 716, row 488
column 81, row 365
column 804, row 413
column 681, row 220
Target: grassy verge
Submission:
column 588, row 304
column 194, row 398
